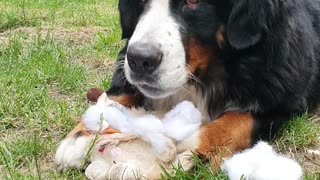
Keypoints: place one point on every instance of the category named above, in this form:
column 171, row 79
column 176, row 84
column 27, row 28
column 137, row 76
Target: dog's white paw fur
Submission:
column 71, row 152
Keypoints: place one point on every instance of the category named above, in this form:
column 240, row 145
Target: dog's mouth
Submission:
column 149, row 90
column 154, row 91
column 148, row 87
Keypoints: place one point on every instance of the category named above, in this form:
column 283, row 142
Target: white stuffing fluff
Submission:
column 182, row 121
column 179, row 123
column 92, row 119
column 261, row 163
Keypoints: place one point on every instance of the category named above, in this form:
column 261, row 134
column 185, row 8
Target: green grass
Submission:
column 299, row 133
column 200, row 171
column 51, row 53
column 297, row 137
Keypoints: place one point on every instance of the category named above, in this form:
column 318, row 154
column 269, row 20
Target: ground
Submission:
column 51, row 53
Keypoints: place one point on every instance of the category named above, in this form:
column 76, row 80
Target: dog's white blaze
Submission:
column 157, row 26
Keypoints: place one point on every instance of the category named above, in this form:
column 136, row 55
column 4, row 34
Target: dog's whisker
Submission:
column 196, row 79
column 183, row 88
column 123, row 77
column 193, row 77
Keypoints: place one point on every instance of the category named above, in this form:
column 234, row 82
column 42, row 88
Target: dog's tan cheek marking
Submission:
column 198, row 57
column 220, row 36
column 227, row 135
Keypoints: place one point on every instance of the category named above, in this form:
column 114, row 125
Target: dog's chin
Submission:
column 156, row 87
column 156, row 93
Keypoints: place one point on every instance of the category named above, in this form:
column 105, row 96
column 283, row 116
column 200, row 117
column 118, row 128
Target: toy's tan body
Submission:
column 119, row 156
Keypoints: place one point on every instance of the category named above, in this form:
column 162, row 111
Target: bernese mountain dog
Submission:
column 248, row 65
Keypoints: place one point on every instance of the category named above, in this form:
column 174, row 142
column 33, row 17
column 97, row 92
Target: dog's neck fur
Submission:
column 186, row 93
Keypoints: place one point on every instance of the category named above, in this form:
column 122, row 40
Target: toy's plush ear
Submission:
column 248, row 20
column 93, row 94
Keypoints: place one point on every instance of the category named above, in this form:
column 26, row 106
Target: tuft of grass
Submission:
column 38, row 85
column 201, row 170
column 51, row 53
column 298, row 136
column 299, row 132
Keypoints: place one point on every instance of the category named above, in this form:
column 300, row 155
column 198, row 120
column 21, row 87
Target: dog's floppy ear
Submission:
column 248, row 20
column 130, row 11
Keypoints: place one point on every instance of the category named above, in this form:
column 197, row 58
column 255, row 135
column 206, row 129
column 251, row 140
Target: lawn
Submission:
column 51, row 53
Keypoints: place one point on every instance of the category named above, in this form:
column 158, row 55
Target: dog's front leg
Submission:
column 230, row 133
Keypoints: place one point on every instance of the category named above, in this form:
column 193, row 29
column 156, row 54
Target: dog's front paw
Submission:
column 71, row 152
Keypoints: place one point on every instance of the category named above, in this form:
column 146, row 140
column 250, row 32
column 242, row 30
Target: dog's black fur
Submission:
column 269, row 64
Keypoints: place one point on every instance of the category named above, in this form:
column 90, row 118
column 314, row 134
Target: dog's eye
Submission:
column 192, row 3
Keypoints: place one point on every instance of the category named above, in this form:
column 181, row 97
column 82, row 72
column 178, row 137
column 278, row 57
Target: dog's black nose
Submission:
column 143, row 58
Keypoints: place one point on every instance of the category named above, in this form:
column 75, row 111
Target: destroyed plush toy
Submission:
column 145, row 145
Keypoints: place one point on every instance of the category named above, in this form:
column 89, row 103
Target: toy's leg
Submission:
column 124, row 171
column 73, row 149
column 98, row 170
column 169, row 151
column 228, row 134
column 185, row 160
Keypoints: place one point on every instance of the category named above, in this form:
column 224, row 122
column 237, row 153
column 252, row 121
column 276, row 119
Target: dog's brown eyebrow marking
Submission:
column 220, row 36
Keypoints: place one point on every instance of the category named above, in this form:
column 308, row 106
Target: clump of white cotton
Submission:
column 261, row 163
column 93, row 118
column 182, row 121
